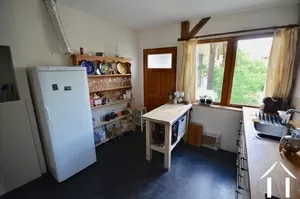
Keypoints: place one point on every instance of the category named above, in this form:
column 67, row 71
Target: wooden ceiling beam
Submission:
column 185, row 30
column 186, row 34
column 198, row 27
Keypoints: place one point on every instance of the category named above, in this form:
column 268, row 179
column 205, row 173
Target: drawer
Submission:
column 243, row 164
column 246, row 182
column 242, row 195
column 242, row 187
column 240, row 192
column 241, row 125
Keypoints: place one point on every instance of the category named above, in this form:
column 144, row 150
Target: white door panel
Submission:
column 18, row 157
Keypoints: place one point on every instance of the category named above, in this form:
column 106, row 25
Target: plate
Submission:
column 98, row 71
column 90, row 67
column 122, row 68
column 105, row 68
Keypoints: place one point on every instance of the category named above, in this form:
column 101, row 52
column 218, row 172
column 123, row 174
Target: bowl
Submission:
column 202, row 101
column 209, row 101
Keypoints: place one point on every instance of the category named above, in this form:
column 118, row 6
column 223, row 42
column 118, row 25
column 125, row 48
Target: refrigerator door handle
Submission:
column 47, row 113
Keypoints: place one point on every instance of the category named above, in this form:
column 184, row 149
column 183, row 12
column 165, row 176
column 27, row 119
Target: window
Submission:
column 233, row 70
column 163, row 61
column 210, row 70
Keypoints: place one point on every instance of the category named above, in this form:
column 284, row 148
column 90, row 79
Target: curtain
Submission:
column 281, row 63
column 186, row 69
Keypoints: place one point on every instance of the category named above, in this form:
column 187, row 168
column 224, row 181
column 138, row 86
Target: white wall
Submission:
column 219, row 121
column 26, row 27
column 215, row 120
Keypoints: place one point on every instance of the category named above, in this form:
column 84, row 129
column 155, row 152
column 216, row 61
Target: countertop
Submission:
column 261, row 155
column 167, row 113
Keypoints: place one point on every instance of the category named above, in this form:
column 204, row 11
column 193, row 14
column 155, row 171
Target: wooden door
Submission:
column 159, row 75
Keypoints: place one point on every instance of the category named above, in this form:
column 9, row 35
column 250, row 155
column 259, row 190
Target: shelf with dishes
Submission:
column 119, row 133
column 80, row 58
column 103, row 98
column 113, row 75
column 103, row 67
column 102, row 123
column 112, row 103
column 110, row 89
column 116, row 126
column 103, row 91
column 109, row 82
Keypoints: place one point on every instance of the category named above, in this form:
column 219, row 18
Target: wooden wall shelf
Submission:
column 118, row 134
column 78, row 58
column 112, row 103
column 94, row 80
column 102, row 123
column 115, row 75
column 111, row 89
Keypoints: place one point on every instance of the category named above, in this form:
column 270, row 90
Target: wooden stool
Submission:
column 141, row 110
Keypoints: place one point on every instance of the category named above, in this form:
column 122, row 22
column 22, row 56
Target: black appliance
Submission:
column 158, row 133
column 273, row 104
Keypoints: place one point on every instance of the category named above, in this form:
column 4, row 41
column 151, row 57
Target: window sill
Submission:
column 220, row 107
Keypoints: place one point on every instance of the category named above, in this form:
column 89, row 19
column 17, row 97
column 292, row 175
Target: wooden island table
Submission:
column 166, row 114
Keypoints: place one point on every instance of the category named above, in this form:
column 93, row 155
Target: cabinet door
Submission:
column 18, row 156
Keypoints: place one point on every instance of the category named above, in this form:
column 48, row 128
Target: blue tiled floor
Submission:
column 123, row 172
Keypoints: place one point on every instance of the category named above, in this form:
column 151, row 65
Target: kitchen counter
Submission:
column 261, row 155
column 166, row 114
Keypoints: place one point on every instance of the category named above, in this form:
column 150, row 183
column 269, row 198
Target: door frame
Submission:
column 164, row 50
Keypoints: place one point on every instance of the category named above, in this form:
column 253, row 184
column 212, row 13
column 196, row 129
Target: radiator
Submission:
column 210, row 140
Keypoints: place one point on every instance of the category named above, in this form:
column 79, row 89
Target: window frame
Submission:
column 229, row 67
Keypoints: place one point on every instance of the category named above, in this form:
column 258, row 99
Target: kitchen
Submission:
column 27, row 52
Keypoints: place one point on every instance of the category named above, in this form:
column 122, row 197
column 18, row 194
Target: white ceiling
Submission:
column 146, row 13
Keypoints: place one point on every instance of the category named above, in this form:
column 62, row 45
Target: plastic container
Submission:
column 96, row 139
column 101, row 135
column 285, row 117
column 175, row 128
column 182, row 124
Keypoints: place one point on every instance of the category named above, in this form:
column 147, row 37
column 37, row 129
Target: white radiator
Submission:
column 210, row 140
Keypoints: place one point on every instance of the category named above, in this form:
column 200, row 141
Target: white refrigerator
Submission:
column 61, row 100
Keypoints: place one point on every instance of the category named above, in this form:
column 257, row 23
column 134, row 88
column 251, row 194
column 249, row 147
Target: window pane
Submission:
column 250, row 71
column 210, row 69
column 163, row 61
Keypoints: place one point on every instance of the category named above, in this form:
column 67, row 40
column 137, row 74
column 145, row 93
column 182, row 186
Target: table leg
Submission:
column 187, row 125
column 148, row 140
column 187, row 120
column 168, row 141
